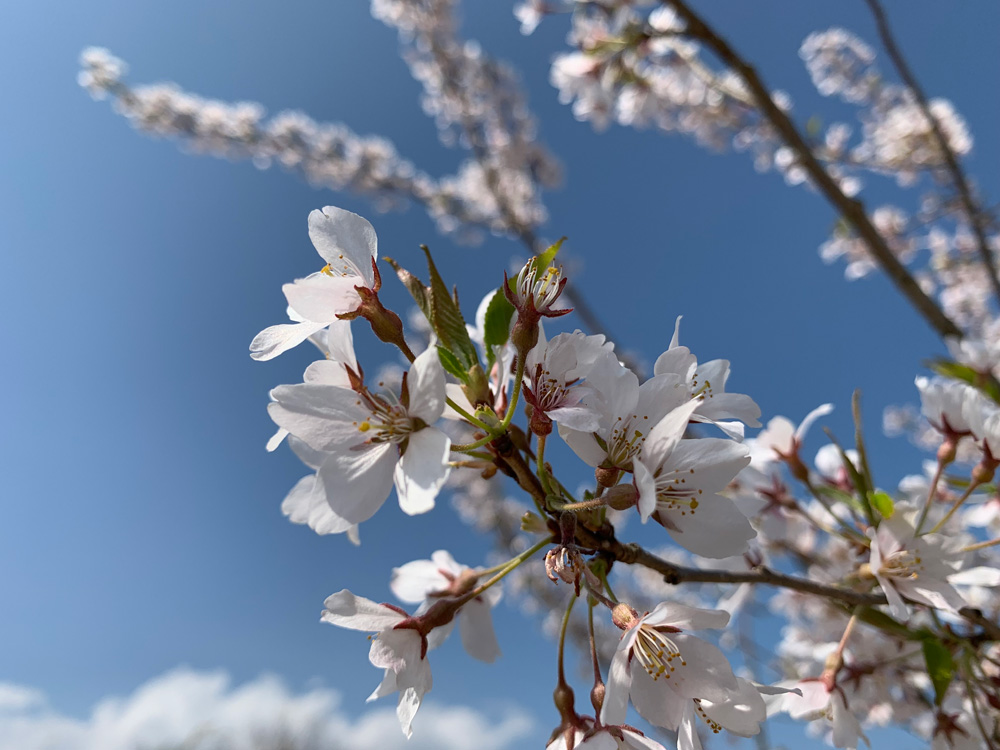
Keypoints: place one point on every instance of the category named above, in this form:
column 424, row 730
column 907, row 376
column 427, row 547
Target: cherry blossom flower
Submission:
column 662, row 668
column 709, row 382
column 555, row 373
column 814, row 701
column 424, row 581
column 911, row 566
column 398, row 649
column 622, row 737
column 370, row 442
column 348, row 244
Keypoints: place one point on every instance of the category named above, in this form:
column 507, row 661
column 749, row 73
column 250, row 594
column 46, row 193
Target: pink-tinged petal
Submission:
column 846, row 728
column 413, row 581
column 741, row 712
column 346, row 610
column 687, row 618
column 645, row 484
column 324, row 416
column 275, row 340
column 599, row 741
column 443, row 559
column 276, row 439
column 616, row 691
column 307, row 504
column 475, row 625
column 666, row 434
column 327, row 372
column 346, row 241
column 704, row 672
column 715, row 529
column 687, row 734
column 422, row 470
column 321, row 298
column 358, row 481
column 637, row 741
column 655, row 701
column 426, row 384
column 397, row 650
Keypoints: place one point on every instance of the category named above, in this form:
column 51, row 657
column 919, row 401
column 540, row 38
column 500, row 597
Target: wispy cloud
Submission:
column 190, row 710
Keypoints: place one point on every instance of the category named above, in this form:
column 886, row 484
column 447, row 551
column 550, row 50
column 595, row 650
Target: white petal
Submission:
column 655, row 701
column 665, row 434
column 646, row 486
column 741, row 713
column 327, row 372
column 705, row 673
column 687, row 735
column 346, row 241
column 321, row 298
column 715, row 529
column 324, row 416
column 581, row 418
column 415, row 580
column 616, row 691
column 387, row 686
column 819, row 411
column 357, row 613
column 272, row 341
column 687, row 618
column 455, row 393
column 276, row 439
column 475, row 625
column 357, row 482
column 422, row 470
column 340, row 343
column 583, row 445
column 677, row 360
column 307, row 504
column 979, row 576
column 426, row 384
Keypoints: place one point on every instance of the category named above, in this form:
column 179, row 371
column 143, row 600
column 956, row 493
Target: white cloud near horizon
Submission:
column 186, row 709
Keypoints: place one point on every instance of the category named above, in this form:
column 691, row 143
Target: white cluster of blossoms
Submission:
column 890, row 598
column 670, row 448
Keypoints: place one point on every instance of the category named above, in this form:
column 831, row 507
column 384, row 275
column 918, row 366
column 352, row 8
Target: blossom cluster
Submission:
column 670, row 448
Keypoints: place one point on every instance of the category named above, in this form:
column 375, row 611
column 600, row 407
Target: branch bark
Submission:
column 851, row 209
column 972, row 208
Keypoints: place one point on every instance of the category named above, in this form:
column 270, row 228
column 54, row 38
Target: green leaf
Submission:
column 856, row 479
column 447, row 321
column 984, row 382
column 496, row 328
column 414, row 285
column 940, row 666
column 544, row 260
column 451, row 364
column 882, row 503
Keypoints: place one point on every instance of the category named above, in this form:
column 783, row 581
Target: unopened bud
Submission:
column 623, row 616
column 622, row 496
column 597, row 697
column 564, row 699
column 947, row 451
column 534, row 524
column 606, row 477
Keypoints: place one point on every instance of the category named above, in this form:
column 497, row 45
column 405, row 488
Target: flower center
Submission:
column 625, row 441
column 674, row 491
column 656, row 652
column 902, row 564
column 388, row 421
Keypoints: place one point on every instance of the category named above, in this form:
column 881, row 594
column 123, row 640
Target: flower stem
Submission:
column 512, row 406
column 468, row 417
column 562, row 638
column 973, row 485
column 930, row 498
column 596, row 502
column 981, row 545
column 540, row 459
column 506, row 568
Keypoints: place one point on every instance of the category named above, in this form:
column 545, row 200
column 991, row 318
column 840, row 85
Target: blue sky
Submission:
column 139, row 527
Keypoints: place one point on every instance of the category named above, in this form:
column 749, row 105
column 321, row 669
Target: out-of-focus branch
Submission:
column 851, row 209
column 972, row 208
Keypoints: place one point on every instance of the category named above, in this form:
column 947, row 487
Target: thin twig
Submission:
column 851, row 209
column 973, row 209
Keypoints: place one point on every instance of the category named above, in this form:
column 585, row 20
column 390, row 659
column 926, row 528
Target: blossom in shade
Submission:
column 398, row 648
column 813, row 701
column 914, row 567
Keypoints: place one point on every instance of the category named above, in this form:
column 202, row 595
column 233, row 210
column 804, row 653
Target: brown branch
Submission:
column 973, row 209
column 851, row 209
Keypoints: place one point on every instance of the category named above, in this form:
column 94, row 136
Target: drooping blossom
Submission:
column 424, row 581
column 398, row 648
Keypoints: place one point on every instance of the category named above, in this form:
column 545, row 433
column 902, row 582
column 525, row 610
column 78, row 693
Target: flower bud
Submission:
column 623, row 616
column 606, row 477
column 622, row 496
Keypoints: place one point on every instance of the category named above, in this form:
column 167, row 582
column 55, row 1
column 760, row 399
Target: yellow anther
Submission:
column 364, row 426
